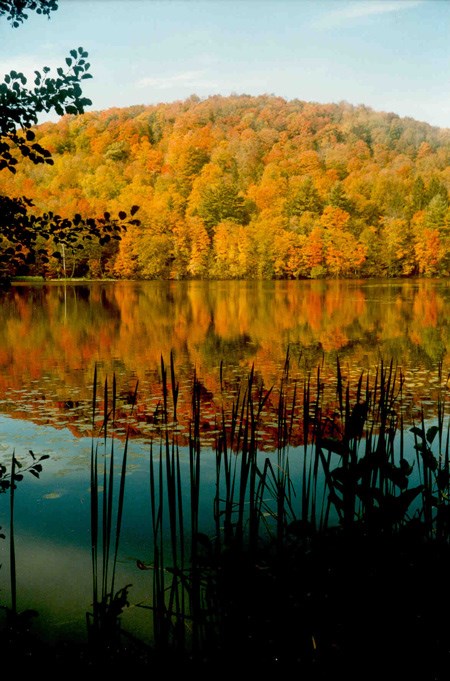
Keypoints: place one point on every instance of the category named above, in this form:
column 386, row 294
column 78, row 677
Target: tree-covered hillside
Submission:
column 247, row 187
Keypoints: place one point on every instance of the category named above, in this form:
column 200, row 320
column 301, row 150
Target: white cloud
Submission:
column 28, row 64
column 195, row 79
column 363, row 8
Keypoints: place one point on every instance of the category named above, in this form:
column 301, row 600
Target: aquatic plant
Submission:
column 106, row 523
column 292, row 526
column 17, row 631
column 297, row 554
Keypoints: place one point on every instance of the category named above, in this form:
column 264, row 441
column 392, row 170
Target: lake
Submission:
column 54, row 336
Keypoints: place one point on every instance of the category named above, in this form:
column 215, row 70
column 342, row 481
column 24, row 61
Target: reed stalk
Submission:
column 12, row 544
column 106, row 513
column 350, row 475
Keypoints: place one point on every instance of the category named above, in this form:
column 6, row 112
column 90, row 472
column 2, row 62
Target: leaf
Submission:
column 396, row 476
column 431, row 433
column 134, row 210
column 442, row 479
column 332, row 445
column 122, row 215
column 428, row 458
column 35, row 473
column 405, row 498
column 406, row 467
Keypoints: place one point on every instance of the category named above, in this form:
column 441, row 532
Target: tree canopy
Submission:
column 228, row 187
column 248, row 187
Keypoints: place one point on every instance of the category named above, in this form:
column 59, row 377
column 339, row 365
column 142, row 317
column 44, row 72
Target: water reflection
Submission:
column 51, row 337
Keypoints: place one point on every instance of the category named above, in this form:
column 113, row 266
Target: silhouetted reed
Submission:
column 347, row 489
column 106, row 522
column 18, row 623
column 303, row 550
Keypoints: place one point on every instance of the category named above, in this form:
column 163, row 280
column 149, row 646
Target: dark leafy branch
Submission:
column 24, row 236
column 10, row 477
column 16, row 10
column 20, row 107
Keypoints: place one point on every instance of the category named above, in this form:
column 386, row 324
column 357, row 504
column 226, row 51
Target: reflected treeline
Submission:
column 52, row 335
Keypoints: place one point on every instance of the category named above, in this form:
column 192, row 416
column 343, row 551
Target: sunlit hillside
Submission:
column 249, row 187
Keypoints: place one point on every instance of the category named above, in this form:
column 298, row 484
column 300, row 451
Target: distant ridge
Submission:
column 250, row 187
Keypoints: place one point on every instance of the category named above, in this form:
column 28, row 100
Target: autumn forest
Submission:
column 245, row 187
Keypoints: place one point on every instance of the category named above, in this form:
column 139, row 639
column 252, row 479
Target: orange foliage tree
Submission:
column 311, row 190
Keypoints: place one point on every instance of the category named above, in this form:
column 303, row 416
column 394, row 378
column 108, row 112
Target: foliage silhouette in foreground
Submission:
column 317, row 556
column 28, row 239
column 302, row 545
column 16, row 10
column 106, row 522
column 18, row 623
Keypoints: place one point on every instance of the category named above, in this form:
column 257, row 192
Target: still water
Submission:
column 52, row 336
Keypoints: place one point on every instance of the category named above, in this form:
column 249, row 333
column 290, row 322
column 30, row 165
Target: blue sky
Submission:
column 391, row 55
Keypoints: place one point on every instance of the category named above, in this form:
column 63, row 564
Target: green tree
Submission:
column 437, row 188
column 419, row 195
column 306, row 199
column 338, row 198
column 223, row 202
column 436, row 211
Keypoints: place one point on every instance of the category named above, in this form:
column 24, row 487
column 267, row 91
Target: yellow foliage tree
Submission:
column 200, row 247
column 232, row 251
